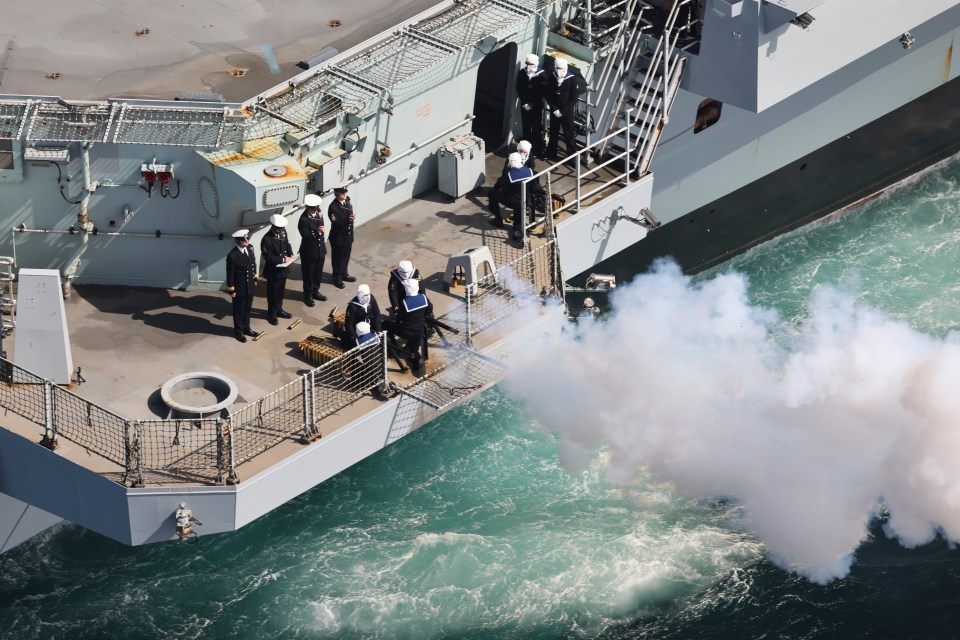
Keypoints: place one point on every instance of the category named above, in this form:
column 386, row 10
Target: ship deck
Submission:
column 127, row 342
column 90, row 50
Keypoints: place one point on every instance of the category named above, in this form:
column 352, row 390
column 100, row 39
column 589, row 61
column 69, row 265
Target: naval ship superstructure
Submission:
column 706, row 126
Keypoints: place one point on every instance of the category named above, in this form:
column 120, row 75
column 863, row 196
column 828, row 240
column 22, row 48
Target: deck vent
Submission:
column 316, row 58
column 59, row 155
column 188, row 96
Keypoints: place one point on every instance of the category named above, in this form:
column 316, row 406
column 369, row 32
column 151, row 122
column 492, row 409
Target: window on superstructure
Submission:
column 708, row 114
column 6, row 154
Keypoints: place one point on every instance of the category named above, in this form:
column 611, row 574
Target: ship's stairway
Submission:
column 654, row 65
column 8, row 299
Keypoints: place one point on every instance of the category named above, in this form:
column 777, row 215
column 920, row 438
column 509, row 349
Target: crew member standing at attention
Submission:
column 276, row 254
column 241, row 281
column 362, row 308
column 341, row 237
column 561, row 95
column 531, row 85
column 313, row 248
column 395, row 292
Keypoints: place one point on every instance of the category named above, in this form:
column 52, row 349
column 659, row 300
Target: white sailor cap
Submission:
column 411, row 287
column 312, row 200
column 514, row 161
column 363, row 290
column 241, row 233
column 560, row 63
column 533, row 59
column 363, row 328
column 524, row 147
column 278, row 220
column 405, row 268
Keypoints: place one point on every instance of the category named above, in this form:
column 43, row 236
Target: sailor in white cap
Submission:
column 561, row 94
column 506, row 192
column 531, row 85
column 525, row 149
column 341, row 236
column 276, row 254
column 411, row 323
column 395, row 292
column 364, row 333
column 362, row 308
column 241, row 281
column 313, row 248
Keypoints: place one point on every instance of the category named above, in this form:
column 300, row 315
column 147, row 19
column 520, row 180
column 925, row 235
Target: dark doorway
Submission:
column 494, row 88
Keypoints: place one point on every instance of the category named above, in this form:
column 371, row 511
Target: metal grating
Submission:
column 174, row 127
column 313, row 104
column 395, row 60
column 467, row 373
column 56, row 122
column 12, row 116
column 467, row 23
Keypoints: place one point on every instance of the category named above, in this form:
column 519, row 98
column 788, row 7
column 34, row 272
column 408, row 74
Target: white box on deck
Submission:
column 461, row 165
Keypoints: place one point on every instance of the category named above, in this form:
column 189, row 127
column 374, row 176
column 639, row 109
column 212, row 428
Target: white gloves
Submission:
column 556, row 113
column 526, row 107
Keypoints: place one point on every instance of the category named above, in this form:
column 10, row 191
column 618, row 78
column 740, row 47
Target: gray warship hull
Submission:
column 764, row 116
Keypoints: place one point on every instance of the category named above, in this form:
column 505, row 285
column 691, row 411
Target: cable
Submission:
column 60, row 182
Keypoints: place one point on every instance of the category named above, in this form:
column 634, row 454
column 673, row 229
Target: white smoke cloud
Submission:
column 813, row 429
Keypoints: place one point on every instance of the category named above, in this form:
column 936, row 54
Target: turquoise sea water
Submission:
column 484, row 524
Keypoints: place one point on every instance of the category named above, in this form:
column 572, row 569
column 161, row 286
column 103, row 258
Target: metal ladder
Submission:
column 8, row 299
column 654, row 66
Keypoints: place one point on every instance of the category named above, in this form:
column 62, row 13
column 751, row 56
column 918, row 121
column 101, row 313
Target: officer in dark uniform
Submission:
column 411, row 322
column 313, row 248
column 276, row 254
column 531, row 85
column 362, row 308
column 561, row 94
column 395, row 292
column 341, row 237
column 241, row 281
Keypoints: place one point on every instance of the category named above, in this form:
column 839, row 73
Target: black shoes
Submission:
column 273, row 321
column 309, row 301
column 349, row 279
column 497, row 222
column 240, row 338
column 320, row 297
column 252, row 334
column 338, row 284
column 284, row 314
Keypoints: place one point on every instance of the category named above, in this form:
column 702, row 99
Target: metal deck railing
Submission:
column 353, row 83
column 210, row 449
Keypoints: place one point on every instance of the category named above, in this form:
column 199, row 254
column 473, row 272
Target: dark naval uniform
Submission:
column 506, row 192
column 313, row 252
column 275, row 249
column 561, row 96
column 341, row 240
column 395, row 292
column 530, row 90
column 356, row 314
column 411, row 325
column 241, row 281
